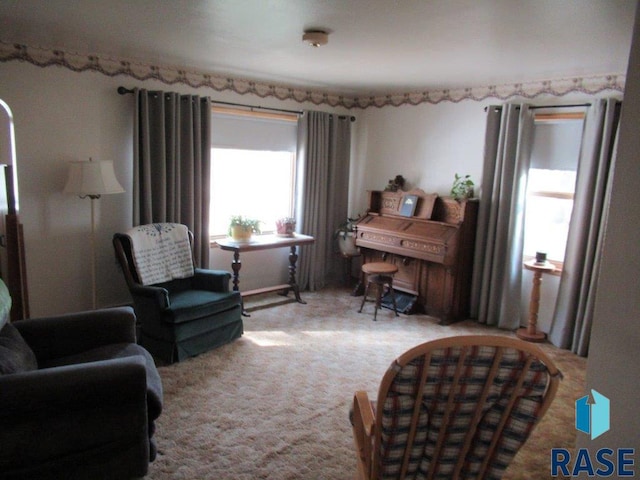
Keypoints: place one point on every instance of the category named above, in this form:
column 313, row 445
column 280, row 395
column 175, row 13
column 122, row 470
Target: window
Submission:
column 253, row 160
column 551, row 184
column 252, row 183
column 549, row 206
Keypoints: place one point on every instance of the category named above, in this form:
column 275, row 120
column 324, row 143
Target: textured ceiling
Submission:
column 375, row 46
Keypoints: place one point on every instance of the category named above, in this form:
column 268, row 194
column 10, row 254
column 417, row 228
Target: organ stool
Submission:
column 379, row 274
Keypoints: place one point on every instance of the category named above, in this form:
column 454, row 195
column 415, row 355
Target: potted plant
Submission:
column 462, row 187
column 286, row 226
column 241, row 228
column 346, row 238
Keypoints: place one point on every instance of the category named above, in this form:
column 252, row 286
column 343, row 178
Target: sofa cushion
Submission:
column 15, row 354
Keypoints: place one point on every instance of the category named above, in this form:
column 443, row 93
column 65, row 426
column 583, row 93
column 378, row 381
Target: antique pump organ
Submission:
column 431, row 240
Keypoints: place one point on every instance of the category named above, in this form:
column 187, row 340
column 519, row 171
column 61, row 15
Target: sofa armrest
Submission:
column 50, row 391
column 69, row 334
column 212, row 280
column 52, row 413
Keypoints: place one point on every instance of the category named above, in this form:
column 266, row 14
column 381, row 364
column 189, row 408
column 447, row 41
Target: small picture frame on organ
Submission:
column 409, row 204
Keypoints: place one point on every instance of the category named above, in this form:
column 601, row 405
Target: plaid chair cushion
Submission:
column 448, row 409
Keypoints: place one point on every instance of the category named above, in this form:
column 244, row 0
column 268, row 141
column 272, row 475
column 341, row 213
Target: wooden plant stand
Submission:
column 530, row 332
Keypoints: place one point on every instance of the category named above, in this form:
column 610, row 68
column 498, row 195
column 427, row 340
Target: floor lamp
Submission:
column 91, row 180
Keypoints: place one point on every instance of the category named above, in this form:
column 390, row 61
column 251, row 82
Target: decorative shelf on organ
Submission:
column 433, row 248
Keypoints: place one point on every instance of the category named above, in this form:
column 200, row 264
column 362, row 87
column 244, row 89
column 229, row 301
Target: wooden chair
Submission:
column 453, row 408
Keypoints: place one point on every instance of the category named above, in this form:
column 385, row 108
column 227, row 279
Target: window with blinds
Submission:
column 253, row 160
column 551, row 184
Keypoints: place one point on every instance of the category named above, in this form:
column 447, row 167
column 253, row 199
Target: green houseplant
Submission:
column 241, row 228
column 462, row 187
column 345, row 236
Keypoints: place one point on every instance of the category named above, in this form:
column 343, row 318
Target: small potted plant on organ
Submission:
column 462, row 187
column 285, row 226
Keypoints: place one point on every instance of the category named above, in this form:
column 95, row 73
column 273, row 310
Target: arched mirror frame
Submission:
column 12, row 258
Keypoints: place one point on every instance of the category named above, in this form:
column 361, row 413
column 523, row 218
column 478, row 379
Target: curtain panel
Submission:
column 497, row 274
column 573, row 315
column 322, row 189
column 172, row 163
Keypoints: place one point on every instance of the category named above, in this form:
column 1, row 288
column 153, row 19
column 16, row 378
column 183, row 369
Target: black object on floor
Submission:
column 405, row 303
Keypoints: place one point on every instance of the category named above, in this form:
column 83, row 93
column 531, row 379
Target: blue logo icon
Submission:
column 593, row 418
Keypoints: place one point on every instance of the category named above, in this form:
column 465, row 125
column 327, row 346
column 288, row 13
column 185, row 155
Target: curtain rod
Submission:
column 252, row 107
column 575, row 105
column 537, row 107
column 124, row 91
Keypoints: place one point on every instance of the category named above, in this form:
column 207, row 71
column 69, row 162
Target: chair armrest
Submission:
column 363, row 412
column 62, row 335
column 54, row 412
column 51, row 391
column 363, row 421
column 158, row 295
column 212, row 280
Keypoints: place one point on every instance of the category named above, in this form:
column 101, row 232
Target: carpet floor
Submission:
column 274, row 404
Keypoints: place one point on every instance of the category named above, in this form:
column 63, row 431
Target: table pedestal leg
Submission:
column 530, row 333
column 293, row 258
column 236, row 265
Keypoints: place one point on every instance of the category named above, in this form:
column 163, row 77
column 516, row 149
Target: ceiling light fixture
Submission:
column 315, row 38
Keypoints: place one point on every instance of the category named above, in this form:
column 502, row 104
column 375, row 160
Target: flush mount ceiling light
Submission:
column 315, row 38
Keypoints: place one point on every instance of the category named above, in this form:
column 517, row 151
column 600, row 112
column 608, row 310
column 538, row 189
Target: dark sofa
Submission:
column 78, row 397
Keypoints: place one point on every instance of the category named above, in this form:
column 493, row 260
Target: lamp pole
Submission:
column 92, row 179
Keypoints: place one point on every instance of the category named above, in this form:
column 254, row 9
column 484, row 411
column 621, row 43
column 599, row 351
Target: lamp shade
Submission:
column 92, row 179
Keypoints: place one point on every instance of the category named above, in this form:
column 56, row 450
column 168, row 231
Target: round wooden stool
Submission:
column 379, row 274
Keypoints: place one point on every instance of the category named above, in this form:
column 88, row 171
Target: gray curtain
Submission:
column 172, row 163
column 573, row 315
column 322, row 188
column 497, row 276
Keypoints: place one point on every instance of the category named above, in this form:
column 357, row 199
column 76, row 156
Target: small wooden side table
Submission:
column 266, row 242
column 530, row 333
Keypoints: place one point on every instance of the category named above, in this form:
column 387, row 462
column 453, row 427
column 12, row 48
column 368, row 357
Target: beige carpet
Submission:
column 274, row 404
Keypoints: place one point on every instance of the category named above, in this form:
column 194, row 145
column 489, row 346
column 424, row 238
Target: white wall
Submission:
column 59, row 116
column 427, row 144
column 614, row 358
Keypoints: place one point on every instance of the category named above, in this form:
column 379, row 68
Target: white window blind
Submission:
column 253, row 133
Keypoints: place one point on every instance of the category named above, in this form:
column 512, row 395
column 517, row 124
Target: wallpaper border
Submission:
column 76, row 62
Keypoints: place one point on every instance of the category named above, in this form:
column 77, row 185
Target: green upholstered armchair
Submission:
column 190, row 311
column 78, row 397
